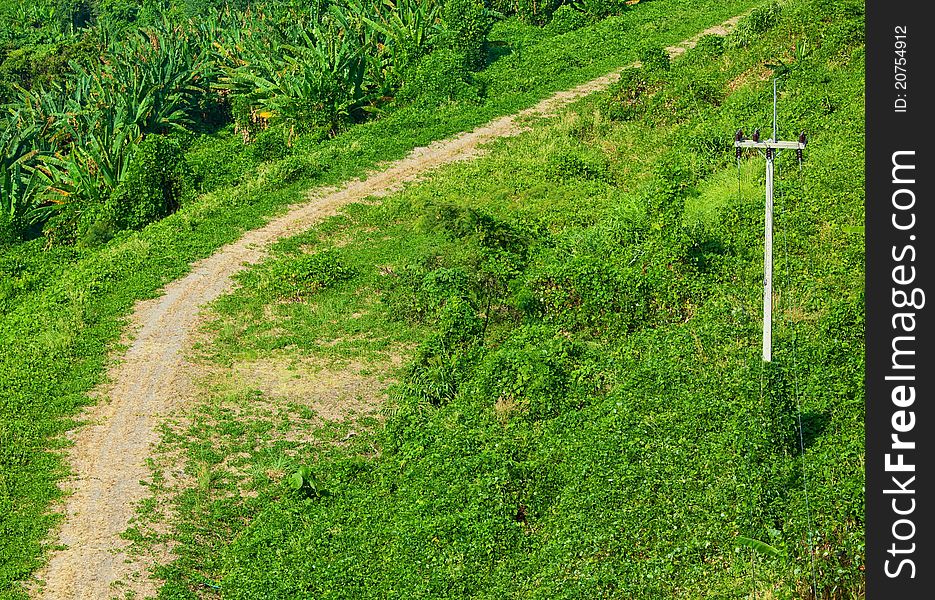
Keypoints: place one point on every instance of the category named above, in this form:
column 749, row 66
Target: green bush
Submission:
column 567, row 19
column 158, row 181
column 585, row 292
column 709, row 45
column 474, row 226
column 117, row 13
column 442, row 284
column 503, row 7
column 760, row 20
column 467, row 24
column 32, row 66
column 299, row 166
column 631, row 95
column 417, row 294
column 298, row 278
column 447, row 359
column 270, row 144
column 654, row 59
column 571, row 165
column 437, row 78
column 220, row 163
column 687, row 99
column 531, row 373
column 9, row 233
column 537, row 12
column 402, row 296
column 600, row 8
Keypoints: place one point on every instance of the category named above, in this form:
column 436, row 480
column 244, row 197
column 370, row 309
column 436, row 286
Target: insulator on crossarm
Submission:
column 738, row 137
column 798, row 151
column 756, row 134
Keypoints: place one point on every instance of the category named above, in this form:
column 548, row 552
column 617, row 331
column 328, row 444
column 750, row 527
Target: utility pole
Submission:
column 769, row 147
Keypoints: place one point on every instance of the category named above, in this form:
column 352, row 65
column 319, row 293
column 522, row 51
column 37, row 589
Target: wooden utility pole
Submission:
column 769, row 147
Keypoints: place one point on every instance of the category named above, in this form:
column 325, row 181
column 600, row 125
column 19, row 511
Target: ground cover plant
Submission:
column 583, row 412
column 71, row 269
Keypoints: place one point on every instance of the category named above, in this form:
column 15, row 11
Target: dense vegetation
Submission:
column 77, row 186
column 585, row 413
column 85, row 87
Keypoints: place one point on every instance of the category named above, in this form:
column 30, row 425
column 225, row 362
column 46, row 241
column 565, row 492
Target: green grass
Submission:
column 586, row 414
column 63, row 309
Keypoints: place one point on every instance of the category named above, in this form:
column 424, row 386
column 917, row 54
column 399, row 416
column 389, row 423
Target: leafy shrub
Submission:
column 845, row 24
column 467, row 24
column 760, row 20
column 36, row 66
column 305, row 484
column 531, row 373
column 537, row 12
column 220, row 163
column 709, row 45
column 446, row 360
column 471, row 225
column 584, row 292
column 99, row 233
column 437, row 78
column 441, row 284
column 298, row 278
column 416, row 294
column 654, row 59
column 672, row 182
column 403, row 297
column 570, row 165
column 687, row 99
column 297, row 166
column 157, row 183
column 630, row 96
column 567, row 19
column 600, row 8
column 731, row 226
column 503, row 7
column 9, row 233
column 706, row 138
column 117, row 13
column 270, row 144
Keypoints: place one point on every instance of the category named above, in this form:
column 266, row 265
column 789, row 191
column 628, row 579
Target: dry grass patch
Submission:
column 749, row 77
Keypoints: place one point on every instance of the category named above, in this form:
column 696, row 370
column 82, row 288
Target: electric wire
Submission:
column 795, row 380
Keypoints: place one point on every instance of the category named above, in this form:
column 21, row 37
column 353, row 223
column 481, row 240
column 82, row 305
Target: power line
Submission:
column 770, row 148
column 798, row 403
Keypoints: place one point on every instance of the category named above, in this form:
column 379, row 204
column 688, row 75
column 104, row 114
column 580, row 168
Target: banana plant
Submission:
column 319, row 72
column 407, row 28
column 88, row 174
column 22, row 139
column 16, row 181
column 154, row 78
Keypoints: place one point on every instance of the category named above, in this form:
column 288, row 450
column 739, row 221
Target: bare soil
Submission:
column 109, row 456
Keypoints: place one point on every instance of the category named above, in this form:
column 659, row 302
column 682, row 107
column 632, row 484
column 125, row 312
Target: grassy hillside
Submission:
column 583, row 412
column 62, row 306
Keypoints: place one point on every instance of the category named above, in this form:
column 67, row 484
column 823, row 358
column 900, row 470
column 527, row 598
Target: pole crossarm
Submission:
column 778, row 145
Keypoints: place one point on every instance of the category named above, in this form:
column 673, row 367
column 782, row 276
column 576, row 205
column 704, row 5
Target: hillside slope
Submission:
column 63, row 307
column 583, row 412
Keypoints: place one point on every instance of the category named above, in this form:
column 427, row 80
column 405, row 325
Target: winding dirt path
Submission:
column 109, row 455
